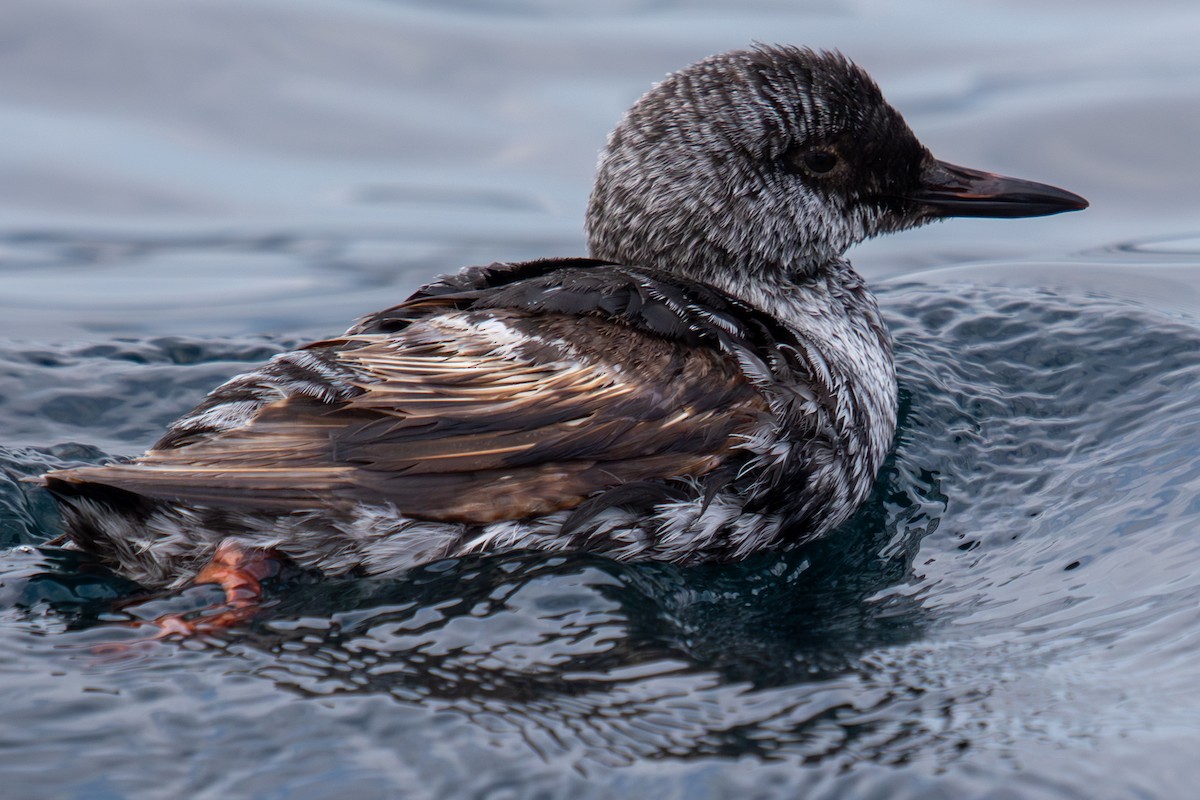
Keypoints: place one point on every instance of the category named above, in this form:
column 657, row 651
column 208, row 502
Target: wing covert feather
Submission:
column 468, row 416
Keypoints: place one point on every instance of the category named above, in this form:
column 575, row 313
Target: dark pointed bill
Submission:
column 950, row 191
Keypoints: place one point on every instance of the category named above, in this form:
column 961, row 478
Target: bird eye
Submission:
column 818, row 162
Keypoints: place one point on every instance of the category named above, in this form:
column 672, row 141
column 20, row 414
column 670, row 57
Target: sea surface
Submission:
column 188, row 187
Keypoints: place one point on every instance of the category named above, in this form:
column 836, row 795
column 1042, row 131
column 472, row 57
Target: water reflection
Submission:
column 579, row 656
column 612, row 663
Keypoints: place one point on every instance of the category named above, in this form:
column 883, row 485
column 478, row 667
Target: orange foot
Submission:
column 240, row 572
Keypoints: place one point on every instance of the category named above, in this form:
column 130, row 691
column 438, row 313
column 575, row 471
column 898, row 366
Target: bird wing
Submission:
column 468, row 416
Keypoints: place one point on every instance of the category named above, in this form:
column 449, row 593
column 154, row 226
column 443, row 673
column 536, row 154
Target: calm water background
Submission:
column 186, row 187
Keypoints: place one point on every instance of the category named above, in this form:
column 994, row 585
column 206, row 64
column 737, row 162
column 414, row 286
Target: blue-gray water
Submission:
column 187, row 187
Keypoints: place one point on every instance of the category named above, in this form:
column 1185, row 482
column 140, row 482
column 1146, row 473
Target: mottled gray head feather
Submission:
column 705, row 176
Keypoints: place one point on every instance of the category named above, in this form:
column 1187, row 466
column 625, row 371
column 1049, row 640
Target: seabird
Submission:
column 715, row 379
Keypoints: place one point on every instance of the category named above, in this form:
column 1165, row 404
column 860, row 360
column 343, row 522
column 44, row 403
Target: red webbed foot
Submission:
column 239, row 570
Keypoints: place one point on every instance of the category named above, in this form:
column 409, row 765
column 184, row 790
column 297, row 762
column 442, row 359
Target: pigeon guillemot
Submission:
column 713, row 381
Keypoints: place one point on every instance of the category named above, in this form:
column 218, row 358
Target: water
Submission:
column 186, row 189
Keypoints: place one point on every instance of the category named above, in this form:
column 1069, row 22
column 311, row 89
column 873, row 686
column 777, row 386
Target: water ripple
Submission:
column 1029, row 540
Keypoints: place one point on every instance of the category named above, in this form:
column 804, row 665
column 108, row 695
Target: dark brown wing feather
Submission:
column 470, row 416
